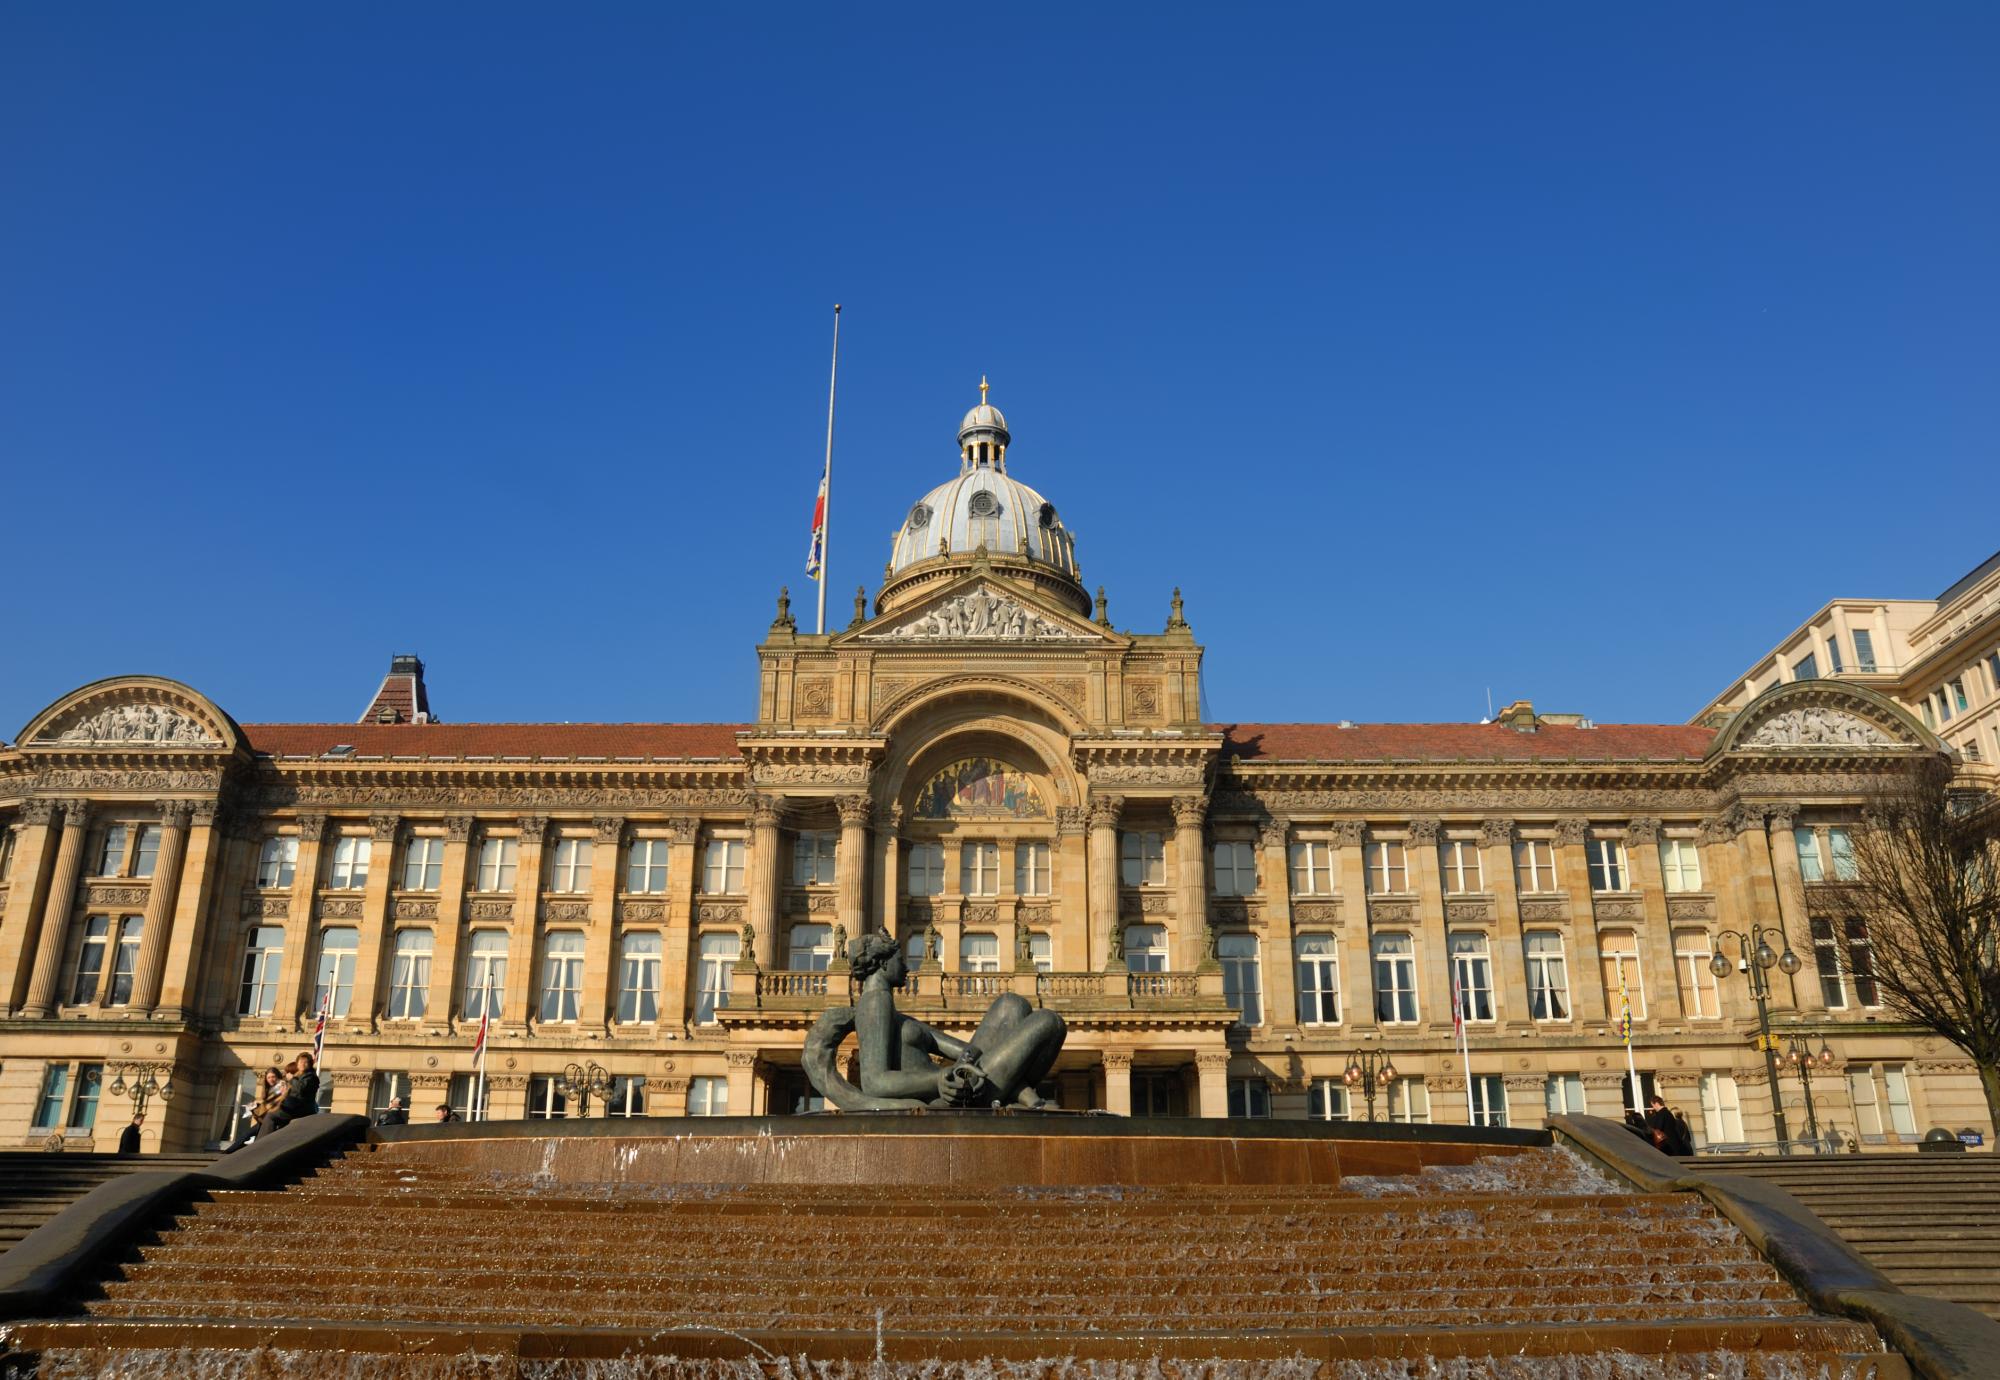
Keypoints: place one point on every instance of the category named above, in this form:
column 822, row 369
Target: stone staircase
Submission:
column 1931, row 1223
column 35, row 1185
column 392, row 1252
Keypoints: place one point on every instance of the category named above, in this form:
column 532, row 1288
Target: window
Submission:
column 979, row 953
column 639, row 976
column 562, row 975
column 1809, row 868
column 1646, row 1091
column 1833, row 665
column 1895, row 1078
column 1388, row 875
column 1031, row 869
column 925, row 869
column 278, row 861
column 1235, row 869
column 1462, row 869
column 1395, row 978
column 1826, row 962
column 1861, row 961
column 1680, row 864
column 646, row 866
column 627, row 1096
column 1249, row 1097
column 1535, row 866
column 1957, row 688
column 1242, row 983
column 1040, row 951
column 1607, row 864
column 337, row 948
column 811, row 948
column 263, row 955
column 88, row 973
column 722, row 871
column 1805, row 668
column 1548, row 976
column 717, row 960
column 1409, row 1101
column 1157, row 1093
column 1145, row 948
column 485, row 972
column 979, row 868
column 233, row 1103
column 1326, row 1100
column 1620, row 952
column 462, row 1096
column 497, row 861
column 1700, row 999
column 1721, row 1110
column 1312, row 868
column 1840, row 847
column 1472, row 970
column 350, row 863
column 1562, row 1094
column 55, row 1093
column 1867, row 1110
column 7, row 845
column 570, row 870
column 1930, row 720
column 125, row 964
column 410, row 975
column 1319, row 979
column 812, row 857
column 146, row 856
column 708, row 1096
column 1488, row 1094
column 545, row 1099
column 1864, row 649
column 1142, row 859
column 423, row 863
column 111, row 852
column 89, row 1086
column 386, row 1087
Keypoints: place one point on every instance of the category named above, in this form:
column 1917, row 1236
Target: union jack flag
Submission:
column 319, row 1029
column 816, row 553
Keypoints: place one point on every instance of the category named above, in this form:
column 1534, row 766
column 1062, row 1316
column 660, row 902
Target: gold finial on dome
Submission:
column 982, row 390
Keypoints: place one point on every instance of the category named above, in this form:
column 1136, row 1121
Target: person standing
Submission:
column 395, row 1115
column 128, row 1139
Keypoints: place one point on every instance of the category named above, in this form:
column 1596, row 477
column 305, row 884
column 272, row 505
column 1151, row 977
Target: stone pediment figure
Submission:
column 979, row 615
column 907, row 1065
column 137, row 723
column 1817, row 727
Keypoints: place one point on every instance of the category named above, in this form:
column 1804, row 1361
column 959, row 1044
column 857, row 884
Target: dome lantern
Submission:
column 983, row 436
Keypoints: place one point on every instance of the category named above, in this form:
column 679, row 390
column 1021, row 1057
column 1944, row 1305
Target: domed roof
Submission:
column 986, row 507
column 983, row 417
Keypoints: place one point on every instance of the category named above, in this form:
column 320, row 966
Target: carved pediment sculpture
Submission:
column 1817, row 727
column 137, row 723
column 980, row 615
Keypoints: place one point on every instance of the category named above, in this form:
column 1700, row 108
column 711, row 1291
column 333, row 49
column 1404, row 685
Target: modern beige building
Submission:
column 1230, row 916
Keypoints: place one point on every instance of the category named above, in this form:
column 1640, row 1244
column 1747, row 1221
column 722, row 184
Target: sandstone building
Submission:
column 1227, row 914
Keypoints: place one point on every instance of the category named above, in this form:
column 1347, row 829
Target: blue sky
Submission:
column 1576, row 351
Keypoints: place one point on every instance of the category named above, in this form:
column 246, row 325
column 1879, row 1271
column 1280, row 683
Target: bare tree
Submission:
column 1926, row 860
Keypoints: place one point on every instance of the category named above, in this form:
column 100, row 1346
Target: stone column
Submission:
column 1642, row 857
column 1357, row 960
column 1190, row 882
column 299, row 928
column 160, row 900
column 34, row 857
column 742, row 1082
column 442, row 1002
column 376, row 927
column 1074, row 945
column 1434, row 950
column 677, row 958
column 889, row 867
column 600, row 956
column 1588, row 998
column 850, row 864
column 1118, row 1082
column 1211, row 1076
column 763, row 882
column 1103, row 882
column 516, row 1007
column 55, row 913
column 199, row 897
column 1722, row 861
column 1274, row 884
column 1789, row 882
column 1510, row 966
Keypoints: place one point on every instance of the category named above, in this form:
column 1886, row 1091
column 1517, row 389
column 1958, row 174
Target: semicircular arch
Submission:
column 1823, row 714
column 134, row 713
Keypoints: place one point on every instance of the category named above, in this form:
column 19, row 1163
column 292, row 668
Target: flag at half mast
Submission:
column 816, row 552
column 319, row 1029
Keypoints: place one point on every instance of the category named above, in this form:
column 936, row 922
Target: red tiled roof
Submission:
column 398, row 692
column 1454, row 742
column 498, row 740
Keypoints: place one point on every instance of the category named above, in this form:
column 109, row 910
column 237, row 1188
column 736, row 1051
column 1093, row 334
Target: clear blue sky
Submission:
column 1576, row 351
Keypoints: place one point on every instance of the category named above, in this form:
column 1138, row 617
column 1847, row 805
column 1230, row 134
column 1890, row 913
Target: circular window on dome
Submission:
column 920, row 515
column 983, row 505
column 1047, row 515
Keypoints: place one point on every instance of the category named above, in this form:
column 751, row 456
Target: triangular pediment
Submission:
column 980, row 609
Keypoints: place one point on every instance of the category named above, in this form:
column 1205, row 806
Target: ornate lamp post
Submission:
column 1366, row 1069
column 147, row 1081
column 1756, row 957
column 583, row 1082
column 1800, row 1054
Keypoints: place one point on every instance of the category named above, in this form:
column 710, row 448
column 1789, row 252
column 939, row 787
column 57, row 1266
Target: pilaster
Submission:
column 1357, row 960
column 55, row 911
column 600, row 963
column 160, row 908
column 34, row 861
column 677, row 959
column 1788, row 881
column 198, row 898
column 1510, row 964
column 763, row 882
column 442, row 1005
column 521, row 953
column 1118, row 1082
column 1274, row 886
column 1434, row 949
column 1587, row 994
column 300, row 929
column 375, row 926
column 1103, row 885
column 1190, row 880
column 1211, row 1074
column 1642, row 858
column 850, row 862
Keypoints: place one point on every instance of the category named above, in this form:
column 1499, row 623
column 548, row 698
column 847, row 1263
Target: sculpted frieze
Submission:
column 1392, row 912
column 815, row 698
column 115, row 896
column 490, row 908
column 1152, row 774
column 642, row 912
column 979, row 615
column 1142, row 903
column 411, row 908
column 719, row 913
column 1817, row 727
column 1620, row 908
column 1032, row 915
column 270, row 907
column 1468, row 912
column 280, row 796
column 1316, row 912
column 340, row 908
column 1546, row 909
column 1516, row 801
column 109, row 780
column 1681, row 908
column 559, row 912
column 120, row 724
column 809, row 773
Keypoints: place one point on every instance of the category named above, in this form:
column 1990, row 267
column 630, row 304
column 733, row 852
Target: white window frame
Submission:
column 646, row 866
column 717, row 954
column 1460, row 864
column 562, row 977
column 349, row 868
column 1548, row 977
column 257, row 993
column 485, row 969
column 1235, row 868
column 111, row 846
column 1041, row 951
column 1242, row 962
column 1680, row 865
column 1636, row 987
column 411, row 952
column 1535, row 865
column 1142, row 858
column 423, row 862
column 1312, row 867
column 1326, row 1100
column 923, row 869
column 1563, row 1095
column 722, row 868
column 1810, row 868
column 499, row 860
column 1486, row 1095
column 1388, row 863
column 1721, row 1109
column 1146, row 949
column 978, row 952
column 1394, row 955
column 93, row 951
column 1609, row 872
column 339, row 951
column 813, row 853
column 145, row 850
column 640, row 954
column 1032, row 873
column 131, row 930
column 1317, row 957
column 1472, row 964
column 708, row 1095
column 570, row 865
column 809, row 948
column 1249, row 1099
column 979, row 867
column 1693, row 949
column 1902, row 1111
column 1409, row 1102
column 277, row 862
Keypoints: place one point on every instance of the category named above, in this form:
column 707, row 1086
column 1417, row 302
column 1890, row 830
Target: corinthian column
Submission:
column 55, row 915
column 764, row 881
column 1190, row 880
column 1104, row 880
column 160, row 907
column 850, row 864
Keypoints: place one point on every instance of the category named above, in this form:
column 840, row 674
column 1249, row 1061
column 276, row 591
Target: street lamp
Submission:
column 1366, row 1068
column 1756, row 957
column 583, row 1082
column 147, row 1081
column 1799, row 1052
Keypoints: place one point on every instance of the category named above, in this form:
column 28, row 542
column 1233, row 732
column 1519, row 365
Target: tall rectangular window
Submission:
column 1472, row 968
column 1409, row 1101
column 562, row 975
column 1145, row 948
column 1535, row 866
column 545, row 1099
column 1805, row 668
column 1319, row 978
column 1721, row 1110
column 1864, row 649
column 1031, row 869
column 125, row 963
column 627, row 1096
column 1235, row 869
column 979, row 868
column 278, row 861
column 233, row 1103
column 1562, row 1094
column 410, row 975
column 1809, row 868
column 1041, row 951
column 334, row 988
column 1395, row 978
column 811, row 949
column 812, row 857
column 54, row 1096
column 708, row 1096
column 1833, row 665
column 1142, row 858
column 1488, row 1092
column 1700, row 999
column 979, row 953
column 111, row 851
column 717, row 961
column 1622, row 980
column 485, row 973
column 1840, row 847
column 1896, row 1080
column 1249, row 1097
column 1312, row 868
column 1463, row 872
column 88, row 973
column 1943, row 703
column 1548, row 976
column 263, row 956
column 8, row 843
column 1388, row 873
column 639, row 976
column 388, row 1086
column 1242, row 978
column 569, row 871
column 1957, row 688
column 1826, row 962
column 1861, row 961
column 924, row 869
column 1867, row 1109
column 722, row 870
column 146, row 851
column 1680, row 864
column 498, row 857
column 350, row 863
column 1607, row 864
column 89, row 1087
column 1326, row 1100
column 423, row 863
column 646, row 866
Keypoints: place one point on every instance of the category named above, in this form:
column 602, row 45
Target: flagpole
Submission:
column 826, row 512
column 485, row 1039
column 1625, row 1023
